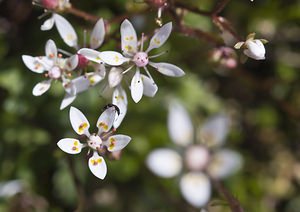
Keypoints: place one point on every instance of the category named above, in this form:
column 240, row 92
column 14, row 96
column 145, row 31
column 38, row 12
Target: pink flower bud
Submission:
column 50, row 4
column 82, row 61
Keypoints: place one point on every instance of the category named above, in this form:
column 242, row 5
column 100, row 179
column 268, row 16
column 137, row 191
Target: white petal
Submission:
column 195, row 187
column 48, row 24
column 117, row 142
column 33, row 64
column 136, row 86
column 65, row 30
column 97, row 35
column 83, row 83
column 224, row 163
column 69, row 87
column 41, row 87
column 115, row 76
column 150, row 88
column 160, row 36
column 106, row 119
column 79, row 122
column 180, row 126
column 119, row 99
column 72, row 62
column 214, row 130
column 164, row 162
column 128, row 38
column 68, row 99
column 70, row 145
column 97, row 166
column 51, row 50
column 46, row 62
column 113, row 58
column 168, row 69
column 90, row 54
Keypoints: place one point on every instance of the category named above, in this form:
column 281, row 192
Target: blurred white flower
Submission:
column 201, row 160
column 11, row 188
column 140, row 84
column 54, row 4
column 98, row 142
column 253, row 48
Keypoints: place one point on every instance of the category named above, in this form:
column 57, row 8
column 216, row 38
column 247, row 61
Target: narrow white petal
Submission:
column 128, row 38
column 48, row 24
column 78, row 121
column 119, row 99
column 180, row 126
column 70, row 145
column 33, row 64
column 164, row 162
column 224, row 163
column 97, row 35
column 117, row 142
column 168, row 69
column 97, row 166
column 69, row 87
column 106, row 119
column 46, row 62
column 150, row 88
column 160, row 37
column 51, row 50
column 90, row 54
column 41, row 87
column 115, row 76
column 72, row 62
column 65, row 30
column 137, row 86
column 195, row 187
column 113, row 58
column 83, row 83
column 214, row 130
column 68, row 99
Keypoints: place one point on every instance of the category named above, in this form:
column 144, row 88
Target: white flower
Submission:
column 253, row 48
column 201, row 161
column 101, row 141
column 57, row 68
column 140, row 84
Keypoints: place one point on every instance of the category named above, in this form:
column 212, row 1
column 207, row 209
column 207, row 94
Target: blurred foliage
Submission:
column 263, row 98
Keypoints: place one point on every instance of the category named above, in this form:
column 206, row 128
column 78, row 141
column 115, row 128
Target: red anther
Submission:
column 46, row 75
column 114, row 129
column 102, row 124
column 97, row 148
column 95, row 163
column 40, row 57
column 59, row 55
column 69, row 74
column 74, row 148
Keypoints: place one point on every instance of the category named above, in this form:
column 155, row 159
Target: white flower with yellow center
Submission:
column 140, row 84
column 98, row 142
column 201, row 161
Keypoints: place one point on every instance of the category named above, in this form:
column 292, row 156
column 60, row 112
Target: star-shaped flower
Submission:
column 140, row 59
column 202, row 160
column 98, row 142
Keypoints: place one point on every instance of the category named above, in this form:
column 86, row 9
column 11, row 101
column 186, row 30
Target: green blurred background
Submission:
column 262, row 97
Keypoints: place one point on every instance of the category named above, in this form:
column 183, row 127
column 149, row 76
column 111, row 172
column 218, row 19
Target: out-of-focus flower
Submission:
column 99, row 142
column 203, row 161
column 224, row 56
column 11, row 188
column 253, row 48
column 140, row 84
column 54, row 4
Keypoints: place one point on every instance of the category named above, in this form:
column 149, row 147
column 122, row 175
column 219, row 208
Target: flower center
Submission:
column 141, row 59
column 94, row 142
column 197, row 157
column 55, row 72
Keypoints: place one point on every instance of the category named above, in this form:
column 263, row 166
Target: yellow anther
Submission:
column 75, row 143
column 112, row 139
column 70, row 37
column 131, row 38
column 156, row 41
column 116, row 97
column 82, row 126
column 97, row 58
column 99, row 160
column 95, row 40
column 122, row 97
column 127, row 38
column 111, row 146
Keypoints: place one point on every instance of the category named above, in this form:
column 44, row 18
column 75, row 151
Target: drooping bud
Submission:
column 115, row 77
column 82, row 61
column 197, row 157
column 50, row 4
column 224, row 56
column 255, row 49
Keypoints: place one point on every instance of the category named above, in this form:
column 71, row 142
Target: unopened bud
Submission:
column 50, row 4
column 82, row 61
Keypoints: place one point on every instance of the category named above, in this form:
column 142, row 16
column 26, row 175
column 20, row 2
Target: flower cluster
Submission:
column 203, row 161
